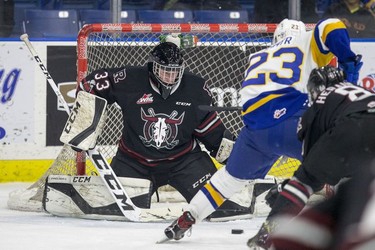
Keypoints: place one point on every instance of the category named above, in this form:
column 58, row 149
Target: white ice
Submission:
column 41, row 231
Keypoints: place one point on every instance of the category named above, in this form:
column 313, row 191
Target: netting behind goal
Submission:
column 220, row 56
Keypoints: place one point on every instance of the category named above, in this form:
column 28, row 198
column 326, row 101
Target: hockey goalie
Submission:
column 163, row 130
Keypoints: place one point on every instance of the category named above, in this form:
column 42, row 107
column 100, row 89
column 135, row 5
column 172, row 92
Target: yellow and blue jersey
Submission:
column 275, row 80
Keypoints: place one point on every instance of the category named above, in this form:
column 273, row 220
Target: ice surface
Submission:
column 41, row 231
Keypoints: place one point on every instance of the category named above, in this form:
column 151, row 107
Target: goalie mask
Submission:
column 321, row 78
column 288, row 27
column 166, row 67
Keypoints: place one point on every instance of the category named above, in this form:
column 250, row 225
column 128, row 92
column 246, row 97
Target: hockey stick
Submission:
column 216, row 108
column 122, row 199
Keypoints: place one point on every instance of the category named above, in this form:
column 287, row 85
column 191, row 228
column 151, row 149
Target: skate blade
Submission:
column 163, row 240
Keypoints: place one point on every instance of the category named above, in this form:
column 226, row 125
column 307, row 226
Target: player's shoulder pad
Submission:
column 330, row 23
column 114, row 75
column 136, row 72
column 193, row 81
column 193, row 78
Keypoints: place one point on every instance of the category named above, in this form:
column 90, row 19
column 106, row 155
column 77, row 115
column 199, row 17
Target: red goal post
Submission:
column 220, row 55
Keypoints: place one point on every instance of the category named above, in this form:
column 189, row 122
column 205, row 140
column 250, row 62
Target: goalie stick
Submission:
column 122, row 199
column 216, row 108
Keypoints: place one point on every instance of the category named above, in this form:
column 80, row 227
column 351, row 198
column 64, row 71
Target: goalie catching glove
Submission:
column 85, row 122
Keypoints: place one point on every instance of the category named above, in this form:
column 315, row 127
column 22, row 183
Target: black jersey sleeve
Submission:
column 210, row 132
column 211, row 129
column 100, row 82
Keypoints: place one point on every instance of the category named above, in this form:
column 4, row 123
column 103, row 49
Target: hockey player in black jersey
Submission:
column 163, row 124
column 338, row 142
column 344, row 221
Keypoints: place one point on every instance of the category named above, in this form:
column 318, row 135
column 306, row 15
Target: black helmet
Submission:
column 321, row 78
column 166, row 67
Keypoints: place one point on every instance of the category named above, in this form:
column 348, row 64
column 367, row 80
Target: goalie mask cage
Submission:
column 220, row 55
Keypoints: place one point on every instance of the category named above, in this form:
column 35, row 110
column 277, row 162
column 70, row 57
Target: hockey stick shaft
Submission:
column 128, row 209
column 216, row 108
column 51, row 82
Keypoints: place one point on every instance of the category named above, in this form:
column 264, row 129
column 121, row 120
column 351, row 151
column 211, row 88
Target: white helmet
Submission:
column 288, row 27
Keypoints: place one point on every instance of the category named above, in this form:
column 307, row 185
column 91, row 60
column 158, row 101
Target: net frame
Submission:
column 235, row 40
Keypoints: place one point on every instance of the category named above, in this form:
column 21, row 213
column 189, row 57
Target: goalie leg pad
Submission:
column 88, row 197
column 261, row 187
column 85, row 122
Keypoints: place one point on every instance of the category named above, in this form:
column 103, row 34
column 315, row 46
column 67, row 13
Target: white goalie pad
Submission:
column 85, row 122
column 25, row 200
column 224, row 150
column 87, row 197
column 261, row 188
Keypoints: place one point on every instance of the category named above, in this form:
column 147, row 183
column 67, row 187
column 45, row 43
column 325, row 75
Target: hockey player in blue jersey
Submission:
column 273, row 98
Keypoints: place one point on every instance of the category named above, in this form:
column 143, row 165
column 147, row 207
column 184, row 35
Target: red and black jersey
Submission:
column 157, row 129
column 330, row 106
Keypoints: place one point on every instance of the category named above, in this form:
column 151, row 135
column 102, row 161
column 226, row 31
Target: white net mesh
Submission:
column 220, row 56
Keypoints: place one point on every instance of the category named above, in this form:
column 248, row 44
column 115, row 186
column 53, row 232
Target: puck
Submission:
column 237, row 231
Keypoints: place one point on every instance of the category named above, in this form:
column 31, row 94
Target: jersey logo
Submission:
column 160, row 130
column 145, row 99
column 187, row 104
column 279, row 113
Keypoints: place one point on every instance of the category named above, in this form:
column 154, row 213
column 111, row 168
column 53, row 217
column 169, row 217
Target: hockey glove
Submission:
column 225, row 147
column 274, row 192
column 351, row 69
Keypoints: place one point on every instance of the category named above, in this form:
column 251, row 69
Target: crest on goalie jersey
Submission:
column 160, row 130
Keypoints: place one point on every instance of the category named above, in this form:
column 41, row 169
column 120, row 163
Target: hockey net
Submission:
column 220, row 55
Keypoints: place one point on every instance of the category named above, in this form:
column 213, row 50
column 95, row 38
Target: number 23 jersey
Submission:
column 275, row 81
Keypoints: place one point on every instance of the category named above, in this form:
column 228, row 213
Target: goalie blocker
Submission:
column 85, row 122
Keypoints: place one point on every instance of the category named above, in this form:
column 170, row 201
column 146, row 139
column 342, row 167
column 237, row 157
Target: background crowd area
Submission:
column 14, row 15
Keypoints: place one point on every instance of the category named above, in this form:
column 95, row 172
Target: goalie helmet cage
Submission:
column 220, row 55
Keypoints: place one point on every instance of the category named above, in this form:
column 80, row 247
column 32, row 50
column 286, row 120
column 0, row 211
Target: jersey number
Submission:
column 292, row 67
column 354, row 93
column 101, row 81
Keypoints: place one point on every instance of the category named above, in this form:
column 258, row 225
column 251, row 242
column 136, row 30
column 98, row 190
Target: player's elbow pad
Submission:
column 351, row 68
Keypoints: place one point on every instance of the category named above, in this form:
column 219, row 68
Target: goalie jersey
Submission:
column 274, row 88
column 156, row 129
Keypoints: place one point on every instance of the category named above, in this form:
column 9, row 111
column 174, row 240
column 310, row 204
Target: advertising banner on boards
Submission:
column 16, row 95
